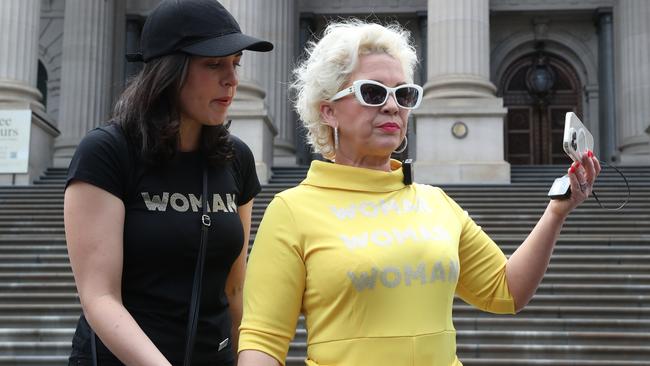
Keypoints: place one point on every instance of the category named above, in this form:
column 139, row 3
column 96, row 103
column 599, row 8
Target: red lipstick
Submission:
column 389, row 127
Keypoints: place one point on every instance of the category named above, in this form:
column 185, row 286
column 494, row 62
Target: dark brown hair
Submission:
column 149, row 113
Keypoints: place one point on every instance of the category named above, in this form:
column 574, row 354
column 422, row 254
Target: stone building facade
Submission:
column 498, row 75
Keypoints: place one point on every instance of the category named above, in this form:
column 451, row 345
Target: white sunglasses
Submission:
column 371, row 93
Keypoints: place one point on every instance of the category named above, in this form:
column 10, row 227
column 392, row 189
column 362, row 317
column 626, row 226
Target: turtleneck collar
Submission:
column 337, row 176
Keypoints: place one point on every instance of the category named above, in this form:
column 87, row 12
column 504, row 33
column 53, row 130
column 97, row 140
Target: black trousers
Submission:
column 78, row 361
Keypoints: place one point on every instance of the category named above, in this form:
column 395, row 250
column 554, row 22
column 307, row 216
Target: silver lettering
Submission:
column 364, row 280
column 354, row 242
column 397, row 277
column 435, row 233
column 391, row 276
column 425, row 233
column 185, row 203
column 408, row 233
column 382, row 238
column 195, row 202
column 395, row 236
column 437, row 272
column 343, row 213
column 410, row 274
column 453, row 271
column 368, row 209
column 232, row 202
column 389, row 206
column 217, row 203
column 156, row 203
column 373, row 209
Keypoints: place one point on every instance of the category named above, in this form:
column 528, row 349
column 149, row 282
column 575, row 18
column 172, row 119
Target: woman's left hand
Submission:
column 582, row 176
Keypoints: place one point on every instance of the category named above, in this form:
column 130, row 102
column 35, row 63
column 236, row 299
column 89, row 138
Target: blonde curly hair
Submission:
column 330, row 62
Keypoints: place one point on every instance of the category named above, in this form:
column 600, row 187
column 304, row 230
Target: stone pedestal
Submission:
column 632, row 61
column 250, row 122
column 281, row 28
column 249, row 113
column 458, row 90
column 475, row 158
column 19, row 30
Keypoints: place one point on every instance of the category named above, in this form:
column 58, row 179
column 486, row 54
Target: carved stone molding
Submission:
column 575, row 41
column 361, row 6
column 404, row 6
column 519, row 5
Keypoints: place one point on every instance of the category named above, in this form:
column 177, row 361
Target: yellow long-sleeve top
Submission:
column 373, row 264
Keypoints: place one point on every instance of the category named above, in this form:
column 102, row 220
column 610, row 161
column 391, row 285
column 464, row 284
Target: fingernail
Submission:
column 590, row 154
column 577, row 164
column 572, row 169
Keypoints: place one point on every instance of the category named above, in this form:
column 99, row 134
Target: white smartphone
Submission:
column 577, row 138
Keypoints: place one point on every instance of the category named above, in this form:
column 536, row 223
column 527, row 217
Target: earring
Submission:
column 336, row 138
column 406, row 143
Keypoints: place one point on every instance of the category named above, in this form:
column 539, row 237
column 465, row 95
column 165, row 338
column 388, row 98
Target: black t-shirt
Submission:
column 162, row 232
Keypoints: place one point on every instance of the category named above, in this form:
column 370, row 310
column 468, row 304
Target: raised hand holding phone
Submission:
column 577, row 143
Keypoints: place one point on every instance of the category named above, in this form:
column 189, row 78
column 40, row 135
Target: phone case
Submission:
column 577, row 138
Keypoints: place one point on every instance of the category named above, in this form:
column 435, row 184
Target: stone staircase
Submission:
column 593, row 307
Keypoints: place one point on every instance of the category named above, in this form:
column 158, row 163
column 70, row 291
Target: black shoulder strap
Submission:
column 198, row 274
column 93, row 346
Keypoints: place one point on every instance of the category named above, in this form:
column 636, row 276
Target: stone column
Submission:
column 303, row 150
column 282, row 31
column 19, row 33
column 19, row 29
column 458, row 89
column 133, row 34
column 607, row 111
column 462, row 30
column 591, row 115
column 87, row 64
column 422, row 25
column 118, row 71
column 249, row 15
column 632, row 62
column 251, row 116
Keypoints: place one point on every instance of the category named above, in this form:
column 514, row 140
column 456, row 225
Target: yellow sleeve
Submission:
column 274, row 284
column 482, row 280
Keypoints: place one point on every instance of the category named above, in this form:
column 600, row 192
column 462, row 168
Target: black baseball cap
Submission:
column 196, row 27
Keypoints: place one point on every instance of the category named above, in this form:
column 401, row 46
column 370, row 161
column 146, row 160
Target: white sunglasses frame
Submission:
column 355, row 89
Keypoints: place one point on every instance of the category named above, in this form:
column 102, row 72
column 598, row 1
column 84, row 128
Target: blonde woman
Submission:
column 372, row 261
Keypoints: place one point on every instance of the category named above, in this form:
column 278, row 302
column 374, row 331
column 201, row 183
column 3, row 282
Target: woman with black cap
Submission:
column 158, row 202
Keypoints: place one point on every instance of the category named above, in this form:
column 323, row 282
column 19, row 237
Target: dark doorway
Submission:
column 41, row 82
column 538, row 90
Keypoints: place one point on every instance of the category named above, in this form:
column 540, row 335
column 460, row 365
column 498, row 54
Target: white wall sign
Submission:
column 15, row 127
